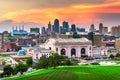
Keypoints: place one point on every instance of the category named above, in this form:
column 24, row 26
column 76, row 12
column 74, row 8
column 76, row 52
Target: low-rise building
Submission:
column 72, row 47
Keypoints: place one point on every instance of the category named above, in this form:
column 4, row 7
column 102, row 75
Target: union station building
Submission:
column 72, row 47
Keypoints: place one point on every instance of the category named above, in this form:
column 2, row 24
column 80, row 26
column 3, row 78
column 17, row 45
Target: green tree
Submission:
column 29, row 62
column 42, row 63
column 118, row 55
column 3, row 62
column 68, row 62
column 57, row 60
column 111, row 56
column 8, row 70
column 50, row 61
column 15, row 71
column 21, row 68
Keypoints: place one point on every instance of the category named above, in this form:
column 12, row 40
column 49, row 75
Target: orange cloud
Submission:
column 78, row 14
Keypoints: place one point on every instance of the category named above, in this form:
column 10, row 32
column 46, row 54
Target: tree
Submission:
column 57, row 60
column 29, row 62
column 68, row 62
column 15, row 71
column 42, row 63
column 21, row 68
column 3, row 62
column 8, row 70
column 111, row 56
column 118, row 55
column 50, row 61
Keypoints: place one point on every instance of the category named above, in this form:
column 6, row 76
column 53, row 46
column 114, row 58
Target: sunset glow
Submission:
column 80, row 14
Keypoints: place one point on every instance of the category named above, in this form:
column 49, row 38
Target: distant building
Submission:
column 65, row 27
column 104, row 30
column 92, row 28
column 35, row 30
column 72, row 48
column 100, row 27
column 108, row 41
column 56, row 26
column 43, row 31
column 117, row 44
column 97, row 40
column 115, row 30
column 81, row 29
column 20, row 32
column 49, row 29
column 73, row 28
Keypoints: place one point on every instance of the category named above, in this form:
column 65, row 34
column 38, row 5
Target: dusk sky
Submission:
column 38, row 13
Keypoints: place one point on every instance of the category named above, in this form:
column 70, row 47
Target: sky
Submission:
column 37, row 13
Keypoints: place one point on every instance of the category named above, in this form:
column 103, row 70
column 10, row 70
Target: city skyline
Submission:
column 37, row 13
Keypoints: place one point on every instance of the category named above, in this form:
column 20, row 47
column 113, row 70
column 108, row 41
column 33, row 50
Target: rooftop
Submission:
column 73, row 41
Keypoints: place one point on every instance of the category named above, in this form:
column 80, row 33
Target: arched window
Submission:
column 83, row 51
column 63, row 51
column 73, row 52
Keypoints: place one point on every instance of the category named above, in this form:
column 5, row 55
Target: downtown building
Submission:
column 72, row 48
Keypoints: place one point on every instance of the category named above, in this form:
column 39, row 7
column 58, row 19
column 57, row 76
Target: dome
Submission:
column 21, row 53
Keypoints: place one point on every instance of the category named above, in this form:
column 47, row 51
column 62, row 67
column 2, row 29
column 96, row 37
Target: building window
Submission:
column 56, row 49
column 63, row 51
column 36, row 56
column 83, row 51
column 49, row 48
column 73, row 52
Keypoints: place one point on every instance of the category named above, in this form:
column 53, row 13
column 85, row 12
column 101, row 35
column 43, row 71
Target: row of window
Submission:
column 73, row 51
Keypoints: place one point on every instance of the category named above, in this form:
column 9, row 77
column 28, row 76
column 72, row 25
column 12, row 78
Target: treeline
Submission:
column 52, row 61
column 44, row 62
column 19, row 68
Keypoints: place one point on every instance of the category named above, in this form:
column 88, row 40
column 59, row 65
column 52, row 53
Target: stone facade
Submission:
column 69, row 47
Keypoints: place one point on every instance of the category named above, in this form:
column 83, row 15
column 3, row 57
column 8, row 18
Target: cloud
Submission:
column 79, row 12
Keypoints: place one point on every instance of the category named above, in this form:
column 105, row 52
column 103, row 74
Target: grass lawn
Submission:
column 4, row 57
column 74, row 73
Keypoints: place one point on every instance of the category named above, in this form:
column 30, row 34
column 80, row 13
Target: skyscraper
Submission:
column 43, row 31
column 100, row 27
column 73, row 28
column 65, row 27
column 49, row 26
column 49, row 29
column 104, row 30
column 56, row 25
column 92, row 28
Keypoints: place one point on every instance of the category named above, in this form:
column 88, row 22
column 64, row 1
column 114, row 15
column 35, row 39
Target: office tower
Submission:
column 65, row 27
column 73, row 28
column 43, row 31
column 100, row 27
column 92, row 28
column 104, row 30
column 56, row 26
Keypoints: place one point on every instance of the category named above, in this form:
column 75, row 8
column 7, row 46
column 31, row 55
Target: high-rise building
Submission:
column 115, row 30
column 49, row 29
column 104, row 30
column 43, row 31
column 92, row 28
column 49, row 26
column 56, row 25
column 100, row 27
column 73, row 28
column 65, row 27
